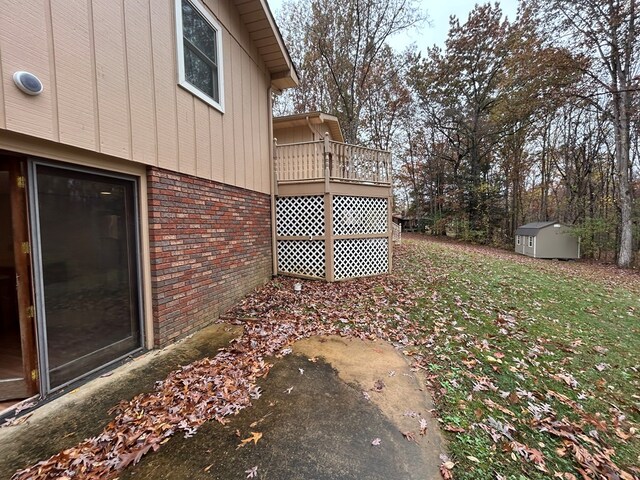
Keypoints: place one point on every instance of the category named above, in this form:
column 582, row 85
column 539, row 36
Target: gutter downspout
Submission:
column 274, row 185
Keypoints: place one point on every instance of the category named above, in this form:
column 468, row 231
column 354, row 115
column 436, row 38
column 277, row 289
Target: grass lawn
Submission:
column 534, row 364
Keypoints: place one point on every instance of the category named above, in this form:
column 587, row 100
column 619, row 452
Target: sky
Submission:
column 438, row 12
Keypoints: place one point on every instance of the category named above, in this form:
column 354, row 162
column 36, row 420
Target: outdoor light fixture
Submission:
column 28, row 83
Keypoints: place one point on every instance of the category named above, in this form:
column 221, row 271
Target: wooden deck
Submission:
column 329, row 161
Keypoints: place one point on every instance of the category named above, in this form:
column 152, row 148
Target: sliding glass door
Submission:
column 88, row 270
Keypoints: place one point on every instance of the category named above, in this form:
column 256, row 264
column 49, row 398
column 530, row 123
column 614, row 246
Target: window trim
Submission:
column 182, row 79
column 517, row 239
column 530, row 241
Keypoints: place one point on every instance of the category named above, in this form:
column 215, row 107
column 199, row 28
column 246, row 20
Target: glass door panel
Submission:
column 87, row 227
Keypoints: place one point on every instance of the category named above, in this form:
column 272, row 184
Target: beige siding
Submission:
column 164, row 83
column 238, row 118
column 110, row 85
column 75, row 78
column 141, row 93
column 113, row 90
column 229, row 145
column 20, row 20
column 293, row 134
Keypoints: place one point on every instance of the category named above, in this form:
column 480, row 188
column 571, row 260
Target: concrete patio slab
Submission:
column 320, row 413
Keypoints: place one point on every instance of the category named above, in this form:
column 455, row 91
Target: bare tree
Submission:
column 606, row 32
column 339, row 48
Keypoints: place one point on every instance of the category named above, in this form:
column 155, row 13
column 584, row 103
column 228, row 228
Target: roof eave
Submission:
column 258, row 19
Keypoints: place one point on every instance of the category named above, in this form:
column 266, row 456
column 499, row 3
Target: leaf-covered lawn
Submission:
column 533, row 365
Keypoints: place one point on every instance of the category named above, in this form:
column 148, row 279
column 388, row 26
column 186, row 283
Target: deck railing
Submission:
column 309, row 161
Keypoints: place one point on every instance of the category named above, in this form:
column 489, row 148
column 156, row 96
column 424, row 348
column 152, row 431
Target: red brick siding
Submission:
column 210, row 245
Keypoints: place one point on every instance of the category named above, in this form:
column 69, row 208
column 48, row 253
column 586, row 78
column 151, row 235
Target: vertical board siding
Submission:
column 247, row 130
column 140, row 73
column 203, row 140
column 21, row 21
column 254, row 135
column 113, row 96
column 110, row 85
column 165, row 83
column 265, row 141
column 229, row 160
column 238, row 118
column 186, row 133
column 217, row 146
column 75, row 86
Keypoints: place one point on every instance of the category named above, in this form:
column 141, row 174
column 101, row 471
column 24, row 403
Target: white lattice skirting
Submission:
column 359, row 215
column 304, row 217
column 300, row 216
column 301, row 257
column 360, row 257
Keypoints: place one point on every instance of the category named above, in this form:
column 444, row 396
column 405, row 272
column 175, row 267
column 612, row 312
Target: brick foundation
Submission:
column 210, row 245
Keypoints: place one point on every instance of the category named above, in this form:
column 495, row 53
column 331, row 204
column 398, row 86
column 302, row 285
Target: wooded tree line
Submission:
column 513, row 120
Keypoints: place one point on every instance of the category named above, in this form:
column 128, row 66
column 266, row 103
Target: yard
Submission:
column 533, row 365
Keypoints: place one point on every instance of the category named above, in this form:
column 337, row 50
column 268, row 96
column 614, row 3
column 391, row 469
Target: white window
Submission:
column 517, row 239
column 199, row 38
column 530, row 241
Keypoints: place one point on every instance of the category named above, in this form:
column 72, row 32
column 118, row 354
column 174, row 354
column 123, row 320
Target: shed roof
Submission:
column 257, row 17
column 533, row 228
column 299, row 119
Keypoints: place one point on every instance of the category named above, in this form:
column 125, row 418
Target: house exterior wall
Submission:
column 210, row 244
column 301, row 133
column 110, row 86
column 293, row 134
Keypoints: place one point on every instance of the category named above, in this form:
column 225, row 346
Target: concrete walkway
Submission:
column 320, row 411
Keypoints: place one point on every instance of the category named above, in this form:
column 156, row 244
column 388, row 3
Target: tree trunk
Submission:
column 625, row 253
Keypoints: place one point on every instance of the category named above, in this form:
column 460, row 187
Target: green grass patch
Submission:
column 522, row 347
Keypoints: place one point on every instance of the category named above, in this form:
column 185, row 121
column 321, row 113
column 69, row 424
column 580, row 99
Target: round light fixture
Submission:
column 28, row 83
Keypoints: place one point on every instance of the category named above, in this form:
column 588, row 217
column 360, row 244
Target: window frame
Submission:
column 182, row 78
column 530, row 241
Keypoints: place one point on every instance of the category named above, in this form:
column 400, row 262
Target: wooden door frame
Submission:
column 17, row 167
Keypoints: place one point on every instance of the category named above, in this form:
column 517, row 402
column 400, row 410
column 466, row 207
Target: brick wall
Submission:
column 210, row 245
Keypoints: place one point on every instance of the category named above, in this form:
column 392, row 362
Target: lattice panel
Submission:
column 300, row 216
column 359, row 215
column 302, row 257
column 359, row 257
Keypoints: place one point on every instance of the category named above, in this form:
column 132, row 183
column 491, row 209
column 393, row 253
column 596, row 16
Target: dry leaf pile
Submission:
column 216, row 388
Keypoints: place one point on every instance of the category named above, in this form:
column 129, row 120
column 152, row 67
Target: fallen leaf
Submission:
column 423, row 426
column 453, row 428
column 378, row 385
column 255, row 436
column 376, row 441
column 252, row 472
column 410, row 436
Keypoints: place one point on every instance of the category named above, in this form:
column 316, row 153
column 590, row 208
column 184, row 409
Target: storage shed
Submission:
column 547, row 240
